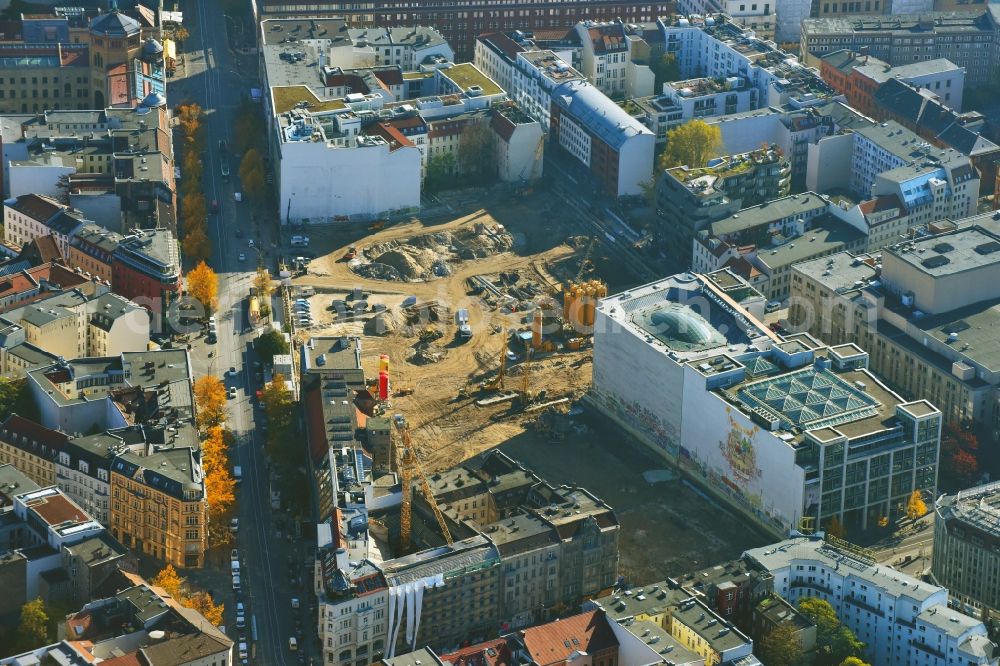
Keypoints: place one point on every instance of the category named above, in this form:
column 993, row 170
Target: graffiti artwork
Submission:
column 739, row 451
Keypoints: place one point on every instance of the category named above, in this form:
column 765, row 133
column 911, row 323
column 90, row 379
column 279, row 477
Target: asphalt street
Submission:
column 273, row 567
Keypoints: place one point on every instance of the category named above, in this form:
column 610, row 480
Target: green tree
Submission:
column 475, row 153
column 270, row 343
column 854, row 661
column 252, row 174
column 34, row 626
column 665, row 68
column 834, row 641
column 440, row 172
column 277, row 401
column 781, row 647
column 692, row 144
column 15, row 398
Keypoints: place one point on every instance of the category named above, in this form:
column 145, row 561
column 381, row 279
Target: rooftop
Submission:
column 769, row 212
column 977, row 510
column 805, row 550
column 555, row 642
column 826, row 235
column 598, row 113
column 659, row 313
column 841, row 272
column 964, row 249
column 287, row 98
column 923, row 23
column 721, row 636
column 467, row 76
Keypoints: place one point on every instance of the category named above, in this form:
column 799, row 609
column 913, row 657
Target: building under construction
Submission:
column 407, row 558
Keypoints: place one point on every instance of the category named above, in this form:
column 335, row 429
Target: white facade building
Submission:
column 606, row 60
column 403, row 47
column 783, row 426
column 701, row 98
column 901, row 620
column 344, row 174
column 28, row 216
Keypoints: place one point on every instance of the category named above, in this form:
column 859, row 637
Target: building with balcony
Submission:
column 689, row 199
column 897, row 617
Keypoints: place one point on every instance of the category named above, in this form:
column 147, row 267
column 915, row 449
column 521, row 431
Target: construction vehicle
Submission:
column 496, row 384
column 407, row 463
column 378, row 226
column 352, row 252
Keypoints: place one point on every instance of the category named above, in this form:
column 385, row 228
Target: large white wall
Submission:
column 26, row 179
column 739, row 458
column 828, row 165
column 638, row 384
column 319, row 183
column 635, row 163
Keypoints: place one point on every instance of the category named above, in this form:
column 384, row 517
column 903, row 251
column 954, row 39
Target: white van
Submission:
column 300, row 241
column 293, row 644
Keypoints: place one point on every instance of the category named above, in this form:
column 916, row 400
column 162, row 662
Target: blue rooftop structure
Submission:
column 598, row 113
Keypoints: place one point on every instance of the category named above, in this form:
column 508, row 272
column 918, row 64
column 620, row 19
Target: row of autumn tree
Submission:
column 247, row 131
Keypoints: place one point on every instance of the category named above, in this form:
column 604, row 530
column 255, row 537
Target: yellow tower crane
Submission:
column 406, row 463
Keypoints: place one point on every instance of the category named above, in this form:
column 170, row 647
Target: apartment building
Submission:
column 72, row 323
column 35, row 77
column 612, row 147
column 760, row 17
column 607, row 59
column 115, row 165
column 783, row 425
column 689, row 199
column 926, row 316
column 968, row 39
column 162, row 631
column 405, row 47
column 966, row 533
column 158, row 505
column 460, row 25
column 858, row 76
column 681, row 617
column 925, row 113
column 591, row 635
column 716, row 47
column 900, row 619
column 31, row 448
column 146, row 269
column 29, row 216
column 92, row 249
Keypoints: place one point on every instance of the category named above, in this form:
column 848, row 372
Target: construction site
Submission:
column 486, row 325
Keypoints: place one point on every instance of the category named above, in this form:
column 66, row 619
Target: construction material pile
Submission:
column 430, row 256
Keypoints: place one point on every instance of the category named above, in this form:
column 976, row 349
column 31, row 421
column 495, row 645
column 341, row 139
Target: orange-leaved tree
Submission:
column 209, row 401
column 176, row 586
column 203, row 284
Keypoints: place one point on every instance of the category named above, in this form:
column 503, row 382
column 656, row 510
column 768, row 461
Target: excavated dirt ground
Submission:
column 667, row 527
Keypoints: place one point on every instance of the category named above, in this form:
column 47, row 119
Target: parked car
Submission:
column 234, row 524
column 236, row 582
column 232, row 392
column 293, row 644
column 234, row 556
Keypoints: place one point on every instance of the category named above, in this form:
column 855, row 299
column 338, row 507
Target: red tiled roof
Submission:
column 495, row 652
column 16, row 284
column 130, row 659
column 552, row 643
column 47, row 248
column 58, row 509
column 395, row 138
column 608, row 38
column 17, row 427
column 881, row 203
column 740, row 266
